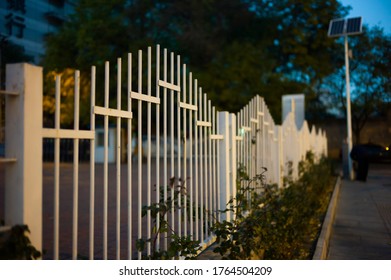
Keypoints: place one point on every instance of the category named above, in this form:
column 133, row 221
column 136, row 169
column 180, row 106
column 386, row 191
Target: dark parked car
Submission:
column 364, row 154
column 371, row 153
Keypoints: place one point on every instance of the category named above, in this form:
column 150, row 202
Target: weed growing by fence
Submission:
column 235, row 238
column 15, row 245
column 179, row 246
column 281, row 224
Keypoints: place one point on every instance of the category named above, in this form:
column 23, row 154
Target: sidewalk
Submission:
column 362, row 225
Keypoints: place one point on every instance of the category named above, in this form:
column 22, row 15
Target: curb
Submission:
column 322, row 246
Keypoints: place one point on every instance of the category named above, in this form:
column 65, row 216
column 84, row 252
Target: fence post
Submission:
column 23, row 141
column 228, row 165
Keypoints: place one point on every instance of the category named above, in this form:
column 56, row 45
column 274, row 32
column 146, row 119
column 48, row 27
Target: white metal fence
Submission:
column 186, row 139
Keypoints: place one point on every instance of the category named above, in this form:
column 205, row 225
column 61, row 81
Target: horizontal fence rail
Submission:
column 179, row 149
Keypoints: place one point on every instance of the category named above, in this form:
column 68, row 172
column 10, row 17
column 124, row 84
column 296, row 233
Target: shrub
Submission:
column 281, row 224
column 15, row 245
column 178, row 246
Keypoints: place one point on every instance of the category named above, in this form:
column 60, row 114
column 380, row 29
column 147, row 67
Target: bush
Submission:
column 179, row 247
column 281, row 224
column 15, row 245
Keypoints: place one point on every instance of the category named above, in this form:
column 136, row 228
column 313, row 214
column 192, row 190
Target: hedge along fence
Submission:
column 279, row 223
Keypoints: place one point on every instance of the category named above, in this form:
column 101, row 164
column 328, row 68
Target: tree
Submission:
column 370, row 79
column 236, row 48
column 67, row 97
column 306, row 54
column 96, row 32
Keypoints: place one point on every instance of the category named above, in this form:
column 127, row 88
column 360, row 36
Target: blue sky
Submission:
column 374, row 12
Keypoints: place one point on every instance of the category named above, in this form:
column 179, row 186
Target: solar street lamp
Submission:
column 339, row 28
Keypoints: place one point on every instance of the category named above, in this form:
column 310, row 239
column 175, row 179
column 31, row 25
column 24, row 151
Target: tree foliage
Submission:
column 67, row 97
column 236, row 48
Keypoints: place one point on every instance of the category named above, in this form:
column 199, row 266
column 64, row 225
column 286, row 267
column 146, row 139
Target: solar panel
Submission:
column 336, row 27
column 354, row 26
column 342, row 27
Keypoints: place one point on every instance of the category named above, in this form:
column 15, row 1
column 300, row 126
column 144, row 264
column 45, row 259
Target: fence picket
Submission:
column 179, row 166
column 157, row 179
column 139, row 150
column 165, row 153
column 57, row 170
column 76, row 166
column 106, row 162
column 184, row 142
column 129, row 159
column 92, row 168
column 118, row 161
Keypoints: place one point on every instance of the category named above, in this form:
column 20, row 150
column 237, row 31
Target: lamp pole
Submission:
column 348, row 110
column 338, row 28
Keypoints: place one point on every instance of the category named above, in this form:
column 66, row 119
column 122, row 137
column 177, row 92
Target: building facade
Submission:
column 27, row 22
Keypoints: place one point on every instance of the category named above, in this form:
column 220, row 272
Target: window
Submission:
column 15, row 25
column 17, row 5
column 17, row 30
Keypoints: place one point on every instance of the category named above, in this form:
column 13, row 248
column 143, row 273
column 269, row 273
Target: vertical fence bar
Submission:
column 238, row 120
column 243, row 142
column 259, row 128
column 224, row 185
column 263, row 133
column 254, row 138
column 191, row 124
column 172, row 140
column 249, row 140
column 149, row 119
column 92, row 165
column 233, row 160
column 206, row 168
column 130, row 158
column 75, row 166
column 179, row 147
column 218, row 181
column 214, row 171
column 165, row 175
column 201, row 174
column 268, row 142
column 118, row 160
column 280, row 160
column 257, row 135
column 139, row 150
column 172, row 159
column 158, row 141
column 196, row 156
column 106, row 164
column 57, row 170
column 210, row 185
column 184, row 141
